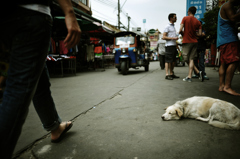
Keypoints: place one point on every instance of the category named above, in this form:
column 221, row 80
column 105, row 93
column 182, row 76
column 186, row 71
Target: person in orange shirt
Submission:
column 190, row 24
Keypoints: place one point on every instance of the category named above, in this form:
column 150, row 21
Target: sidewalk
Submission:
column 117, row 116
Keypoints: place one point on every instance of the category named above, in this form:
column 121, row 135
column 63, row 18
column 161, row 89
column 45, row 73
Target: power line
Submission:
column 104, row 19
column 123, row 4
column 103, row 14
column 108, row 3
column 114, row 4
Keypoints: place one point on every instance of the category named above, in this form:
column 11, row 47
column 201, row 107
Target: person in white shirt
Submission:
column 171, row 37
column 161, row 52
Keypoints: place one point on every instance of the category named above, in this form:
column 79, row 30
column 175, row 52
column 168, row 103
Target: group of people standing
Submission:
column 190, row 44
column 194, row 46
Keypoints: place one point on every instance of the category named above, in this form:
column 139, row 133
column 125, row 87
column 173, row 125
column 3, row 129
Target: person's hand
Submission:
column 175, row 38
column 181, row 32
column 74, row 31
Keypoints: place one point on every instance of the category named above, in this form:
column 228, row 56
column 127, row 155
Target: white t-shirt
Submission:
column 171, row 32
column 38, row 7
column 161, row 46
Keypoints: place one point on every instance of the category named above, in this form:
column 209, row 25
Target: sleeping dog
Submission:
column 216, row 112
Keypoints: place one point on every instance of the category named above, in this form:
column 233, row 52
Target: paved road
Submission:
column 119, row 117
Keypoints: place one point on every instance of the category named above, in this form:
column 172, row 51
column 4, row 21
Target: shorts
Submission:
column 170, row 54
column 229, row 52
column 189, row 51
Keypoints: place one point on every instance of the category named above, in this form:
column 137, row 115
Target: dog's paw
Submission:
column 202, row 119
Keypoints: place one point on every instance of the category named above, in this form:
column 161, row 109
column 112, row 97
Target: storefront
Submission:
column 61, row 60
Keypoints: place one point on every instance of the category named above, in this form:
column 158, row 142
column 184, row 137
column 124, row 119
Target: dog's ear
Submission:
column 179, row 112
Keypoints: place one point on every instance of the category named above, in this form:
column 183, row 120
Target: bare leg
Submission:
column 195, row 69
column 191, row 65
column 166, row 68
column 228, row 79
column 171, row 68
column 222, row 76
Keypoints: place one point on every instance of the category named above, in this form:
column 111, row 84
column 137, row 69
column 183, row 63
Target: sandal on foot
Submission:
column 62, row 134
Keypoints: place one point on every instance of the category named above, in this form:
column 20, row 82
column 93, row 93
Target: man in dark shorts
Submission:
column 227, row 43
column 170, row 36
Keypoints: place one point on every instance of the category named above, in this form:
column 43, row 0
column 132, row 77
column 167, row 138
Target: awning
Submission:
column 104, row 33
column 57, row 11
column 85, row 25
column 82, row 15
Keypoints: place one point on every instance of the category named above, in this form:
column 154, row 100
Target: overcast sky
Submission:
column 154, row 11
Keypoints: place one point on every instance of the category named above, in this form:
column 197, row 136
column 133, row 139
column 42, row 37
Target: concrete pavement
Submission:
column 117, row 116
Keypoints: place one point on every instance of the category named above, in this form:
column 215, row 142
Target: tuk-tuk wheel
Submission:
column 147, row 68
column 124, row 68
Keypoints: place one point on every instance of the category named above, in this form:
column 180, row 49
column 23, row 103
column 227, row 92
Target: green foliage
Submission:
column 210, row 23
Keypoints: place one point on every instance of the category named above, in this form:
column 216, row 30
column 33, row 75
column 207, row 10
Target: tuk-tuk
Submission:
column 130, row 50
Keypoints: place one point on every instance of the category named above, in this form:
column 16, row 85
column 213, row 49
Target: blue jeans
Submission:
column 27, row 34
column 200, row 64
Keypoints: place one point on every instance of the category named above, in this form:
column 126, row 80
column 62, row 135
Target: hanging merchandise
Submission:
column 98, row 50
column 108, row 49
column 90, row 52
column 52, row 47
column 207, row 55
column 104, row 48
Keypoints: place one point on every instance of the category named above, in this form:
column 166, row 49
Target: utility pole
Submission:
column 129, row 22
column 119, row 14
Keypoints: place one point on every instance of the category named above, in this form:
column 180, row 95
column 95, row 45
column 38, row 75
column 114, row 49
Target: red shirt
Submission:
column 191, row 25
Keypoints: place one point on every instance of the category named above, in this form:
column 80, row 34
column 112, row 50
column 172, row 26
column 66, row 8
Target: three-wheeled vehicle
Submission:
column 130, row 51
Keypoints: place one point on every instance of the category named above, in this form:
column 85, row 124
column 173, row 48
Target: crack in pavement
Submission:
column 34, row 143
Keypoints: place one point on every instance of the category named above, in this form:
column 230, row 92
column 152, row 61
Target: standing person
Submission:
column 29, row 42
column 161, row 52
column 170, row 36
column 201, row 49
column 190, row 25
column 227, row 43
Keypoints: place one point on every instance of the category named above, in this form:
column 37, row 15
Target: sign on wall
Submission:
column 200, row 5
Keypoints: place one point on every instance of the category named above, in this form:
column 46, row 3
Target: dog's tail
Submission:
column 222, row 125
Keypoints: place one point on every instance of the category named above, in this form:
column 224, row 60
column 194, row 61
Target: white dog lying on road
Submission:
column 216, row 112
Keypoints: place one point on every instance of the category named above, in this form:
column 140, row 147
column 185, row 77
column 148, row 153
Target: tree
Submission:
column 210, row 21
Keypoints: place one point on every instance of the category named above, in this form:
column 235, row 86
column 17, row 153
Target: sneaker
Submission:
column 174, row 76
column 168, row 77
column 206, row 77
column 187, row 79
column 195, row 76
column 201, row 77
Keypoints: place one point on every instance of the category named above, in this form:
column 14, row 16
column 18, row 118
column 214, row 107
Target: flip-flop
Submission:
column 62, row 134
